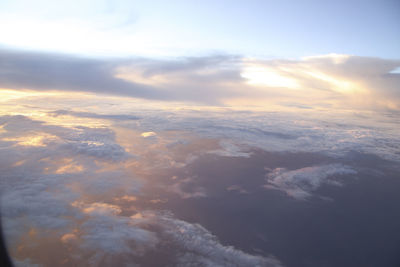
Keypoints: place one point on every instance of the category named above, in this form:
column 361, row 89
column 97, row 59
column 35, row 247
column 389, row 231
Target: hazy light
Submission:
column 339, row 85
column 335, row 58
column 38, row 140
column 262, row 76
column 148, row 134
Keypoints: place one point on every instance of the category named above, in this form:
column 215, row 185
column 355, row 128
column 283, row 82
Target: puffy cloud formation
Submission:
column 339, row 81
column 104, row 233
column 36, row 179
column 301, row 183
column 95, row 142
column 83, row 197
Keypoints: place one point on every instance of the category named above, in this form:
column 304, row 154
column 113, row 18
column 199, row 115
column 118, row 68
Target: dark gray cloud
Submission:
column 91, row 115
column 200, row 79
column 46, row 71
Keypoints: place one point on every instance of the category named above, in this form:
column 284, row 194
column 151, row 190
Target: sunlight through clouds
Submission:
column 200, row 133
column 263, row 76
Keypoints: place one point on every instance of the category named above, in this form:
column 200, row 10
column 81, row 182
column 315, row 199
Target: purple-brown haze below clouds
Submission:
column 200, row 161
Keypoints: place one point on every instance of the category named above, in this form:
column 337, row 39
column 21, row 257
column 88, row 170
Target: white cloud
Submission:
column 237, row 188
column 322, row 131
column 148, row 134
column 110, row 233
column 230, row 149
column 95, row 142
column 198, row 247
column 301, row 183
column 187, row 188
column 35, row 189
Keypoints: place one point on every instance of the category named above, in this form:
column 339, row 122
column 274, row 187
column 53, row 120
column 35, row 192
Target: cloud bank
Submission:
column 340, row 81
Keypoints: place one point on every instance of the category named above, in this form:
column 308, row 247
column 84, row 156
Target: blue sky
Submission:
column 282, row 29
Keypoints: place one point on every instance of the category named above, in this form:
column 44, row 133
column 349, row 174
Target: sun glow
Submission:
column 263, row 76
column 69, row 166
column 339, row 85
column 32, row 140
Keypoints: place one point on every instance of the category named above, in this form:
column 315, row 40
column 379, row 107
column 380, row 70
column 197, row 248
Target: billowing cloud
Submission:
column 41, row 161
column 105, row 232
column 301, row 183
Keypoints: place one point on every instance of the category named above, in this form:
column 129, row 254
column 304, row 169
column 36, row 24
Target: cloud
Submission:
column 110, row 233
column 116, row 117
column 149, row 135
column 25, row 263
column 193, row 79
column 36, row 180
column 237, row 188
column 81, row 208
column 338, row 81
column 35, row 194
column 97, row 149
column 187, row 188
column 30, row 195
column 43, row 71
column 230, row 149
column 95, row 142
column 69, row 238
column 330, row 133
column 198, row 247
column 301, row 183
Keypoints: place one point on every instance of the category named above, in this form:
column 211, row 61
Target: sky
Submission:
column 200, row 133
column 231, row 53
column 288, row 29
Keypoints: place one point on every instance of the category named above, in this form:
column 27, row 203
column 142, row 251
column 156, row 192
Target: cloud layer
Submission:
column 338, row 81
column 67, row 188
